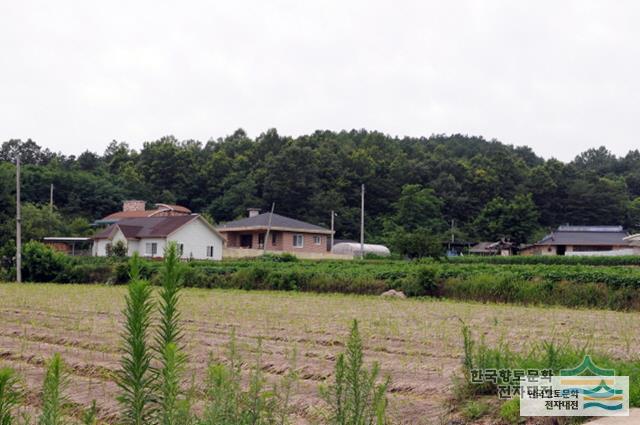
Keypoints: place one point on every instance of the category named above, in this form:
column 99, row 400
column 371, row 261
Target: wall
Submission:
column 284, row 241
column 100, row 245
column 196, row 236
column 308, row 245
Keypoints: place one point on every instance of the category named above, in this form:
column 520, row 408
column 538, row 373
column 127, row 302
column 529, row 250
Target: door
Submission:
column 246, row 241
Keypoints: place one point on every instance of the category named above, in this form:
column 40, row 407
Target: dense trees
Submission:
column 415, row 186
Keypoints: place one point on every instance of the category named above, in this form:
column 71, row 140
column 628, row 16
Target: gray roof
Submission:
column 278, row 222
column 482, row 247
column 586, row 235
column 147, row 227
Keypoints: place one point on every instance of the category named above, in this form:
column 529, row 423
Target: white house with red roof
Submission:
column 148, row 234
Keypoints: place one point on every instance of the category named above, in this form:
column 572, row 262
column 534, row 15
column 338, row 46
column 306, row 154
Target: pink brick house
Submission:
column 286, row 234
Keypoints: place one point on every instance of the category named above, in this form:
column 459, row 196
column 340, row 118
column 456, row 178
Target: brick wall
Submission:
column 133, row 205
column 283, row 241
column 308, row 243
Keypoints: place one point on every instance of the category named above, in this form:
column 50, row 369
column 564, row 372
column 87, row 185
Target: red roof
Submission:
column 161, row 209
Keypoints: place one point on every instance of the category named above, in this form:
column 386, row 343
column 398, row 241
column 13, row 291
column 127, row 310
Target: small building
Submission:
column 69, row 245
column 582, row 240
column 285, row 234
column 137, row 209
column 501, row 247
column 148, row 236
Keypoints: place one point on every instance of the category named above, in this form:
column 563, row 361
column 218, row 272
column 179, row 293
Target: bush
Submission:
column 250, row 278
column 356, row 396
column 118, row 250
column 41, row 263
column 475, row 410
column 421, row 282
column 285, row 257
column 510, row 411
column 89, row 273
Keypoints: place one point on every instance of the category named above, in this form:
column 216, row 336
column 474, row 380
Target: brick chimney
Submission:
column 253, row 211
column 133, row 205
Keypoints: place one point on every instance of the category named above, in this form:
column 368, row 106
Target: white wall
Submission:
column 196, row 236
column 141, row 247
column 100, row 245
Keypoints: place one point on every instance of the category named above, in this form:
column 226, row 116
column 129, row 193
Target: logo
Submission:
column 586, row 390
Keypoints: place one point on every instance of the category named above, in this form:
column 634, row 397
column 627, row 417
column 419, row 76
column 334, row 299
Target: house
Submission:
column 285, row 234
column 137, row 209
column 582, row 240
column 501, row 247
column 149, row 236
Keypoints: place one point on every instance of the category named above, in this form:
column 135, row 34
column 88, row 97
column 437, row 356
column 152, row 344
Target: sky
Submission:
column 558, row 76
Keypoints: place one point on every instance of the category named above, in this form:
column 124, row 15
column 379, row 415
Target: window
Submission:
column 151, row 248
column 298, row 241
column 261, row 240
column 180, row 249
column 317, row 240
column 210, row 251
column 274, row 239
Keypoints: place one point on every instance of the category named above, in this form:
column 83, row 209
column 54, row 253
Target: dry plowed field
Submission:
column 416, row 342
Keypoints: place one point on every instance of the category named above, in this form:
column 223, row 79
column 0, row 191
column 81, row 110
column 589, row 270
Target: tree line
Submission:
column 415, row 187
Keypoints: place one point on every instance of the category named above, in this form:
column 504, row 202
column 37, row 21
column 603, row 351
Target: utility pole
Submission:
column 333, row 214
column 362, row 224
column 51, row 198
column 18, row 224
column 266, row 238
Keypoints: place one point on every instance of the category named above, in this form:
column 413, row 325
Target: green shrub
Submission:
column 227, row 403
column 169, row 347
column 510, row 411
column 53, row 399
column 475, row 410
column 283, row 280
column 419, row 283
column 355, row 397
column 89, row 273
column 41, row 263
column 11, row 395
column 136, row 378
column 121, row 273
column 250, row 278
column 197, row 278
column 285, row 257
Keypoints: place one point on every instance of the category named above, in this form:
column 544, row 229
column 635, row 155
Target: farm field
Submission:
column 417, row 341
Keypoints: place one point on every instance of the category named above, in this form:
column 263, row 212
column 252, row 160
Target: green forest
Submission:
column 415, row 187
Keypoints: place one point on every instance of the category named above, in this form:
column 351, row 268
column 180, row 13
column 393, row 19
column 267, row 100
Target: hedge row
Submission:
column 623, row 260
column 570, row 285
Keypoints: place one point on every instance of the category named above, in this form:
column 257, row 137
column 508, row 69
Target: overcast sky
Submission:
column 558, row 76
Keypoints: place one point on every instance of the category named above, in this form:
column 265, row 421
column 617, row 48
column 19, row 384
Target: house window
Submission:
column 180, row 249
column 210, row 251
column 317, row 240
column 274, row 239
column 151, row 248
column 298, row 241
